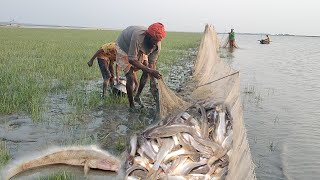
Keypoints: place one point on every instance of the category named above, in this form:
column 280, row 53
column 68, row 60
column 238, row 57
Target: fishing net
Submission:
column 208, row 68
column 213, row 79
column 169, row 102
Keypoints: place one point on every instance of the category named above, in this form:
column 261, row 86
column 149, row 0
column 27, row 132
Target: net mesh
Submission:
column 213, row 79
column 169, row 102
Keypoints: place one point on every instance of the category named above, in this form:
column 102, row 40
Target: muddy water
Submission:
column 280, row 92
column 109, row 126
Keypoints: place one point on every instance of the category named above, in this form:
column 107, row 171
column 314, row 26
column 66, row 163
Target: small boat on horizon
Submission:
column 263, row 41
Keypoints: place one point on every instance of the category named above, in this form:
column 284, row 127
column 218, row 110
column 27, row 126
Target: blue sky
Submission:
column 252, row 16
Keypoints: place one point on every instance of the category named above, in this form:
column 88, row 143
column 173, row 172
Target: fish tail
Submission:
column 14, row 171
column 26, row 166
column 153, row 174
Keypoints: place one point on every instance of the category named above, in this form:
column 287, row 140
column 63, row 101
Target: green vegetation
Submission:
column 4, row 154
column 59, row 176
column 35, row 62
column 120, row 144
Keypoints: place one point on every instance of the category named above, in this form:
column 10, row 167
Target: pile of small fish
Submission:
column 195, row 144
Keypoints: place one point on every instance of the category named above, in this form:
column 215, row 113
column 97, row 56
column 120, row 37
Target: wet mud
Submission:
column 108, row 126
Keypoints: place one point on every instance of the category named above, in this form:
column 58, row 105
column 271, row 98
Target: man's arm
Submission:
column 90, row 62
column 152, row 66
column 133, row 57
column 151, row 71
column 117, row 73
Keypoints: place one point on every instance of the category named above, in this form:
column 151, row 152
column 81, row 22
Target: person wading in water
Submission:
column 232, row 40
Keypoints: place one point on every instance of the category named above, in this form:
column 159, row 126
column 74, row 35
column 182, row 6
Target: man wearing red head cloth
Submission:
column 138, row 48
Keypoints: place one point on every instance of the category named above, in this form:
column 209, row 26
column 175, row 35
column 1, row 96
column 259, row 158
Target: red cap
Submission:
column 156, row 31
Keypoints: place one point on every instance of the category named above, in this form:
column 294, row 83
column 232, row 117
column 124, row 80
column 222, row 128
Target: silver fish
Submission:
column 200, row 170
column 185, row 168
column 171, row 177
column 133, row 144
column 164, row 150
column 147, row 149
column 175, row 154
column 155, row 146
column 204, row 122
column 184, row 143
column 143, row 162
column 168, row 131
column 221, row 130
column 227, row 143
column 133, row 149
column 132, row 178
column 176, row 162
column 214, row 146
column 185, row 115
column 201, row 148
column 133, row 168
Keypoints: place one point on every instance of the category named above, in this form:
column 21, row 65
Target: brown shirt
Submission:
column 109, row 52
column 131, row 41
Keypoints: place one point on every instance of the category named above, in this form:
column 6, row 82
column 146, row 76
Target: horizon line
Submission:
column 17, row 25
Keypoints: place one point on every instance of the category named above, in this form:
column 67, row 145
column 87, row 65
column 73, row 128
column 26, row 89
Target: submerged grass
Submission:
column 35, row 62
column 4, row 154
column 59, row 176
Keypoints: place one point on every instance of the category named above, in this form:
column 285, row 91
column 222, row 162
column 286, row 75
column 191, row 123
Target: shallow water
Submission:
column 280, row 85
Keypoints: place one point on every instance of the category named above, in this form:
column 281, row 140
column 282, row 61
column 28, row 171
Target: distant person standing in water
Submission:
column 232, row 39
column 268, row 38
column 138, row 48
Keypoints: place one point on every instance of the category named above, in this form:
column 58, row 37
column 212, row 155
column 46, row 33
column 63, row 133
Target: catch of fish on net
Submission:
column 195, row 144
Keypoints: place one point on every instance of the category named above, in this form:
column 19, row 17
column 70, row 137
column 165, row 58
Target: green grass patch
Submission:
column 35, row 62
column 59, row 176
column 4, row 154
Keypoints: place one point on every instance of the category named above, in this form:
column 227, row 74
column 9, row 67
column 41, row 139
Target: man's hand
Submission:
column 118, row 80
column 156, row 74
column 90, row 63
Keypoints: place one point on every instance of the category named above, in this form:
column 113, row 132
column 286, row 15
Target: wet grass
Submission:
column 4, row 154
column 87, row 100
column 83, row 140
column 58, row 176
column 35, row 62
column 120, row 144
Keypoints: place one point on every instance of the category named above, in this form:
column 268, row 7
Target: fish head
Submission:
column 106, row 164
